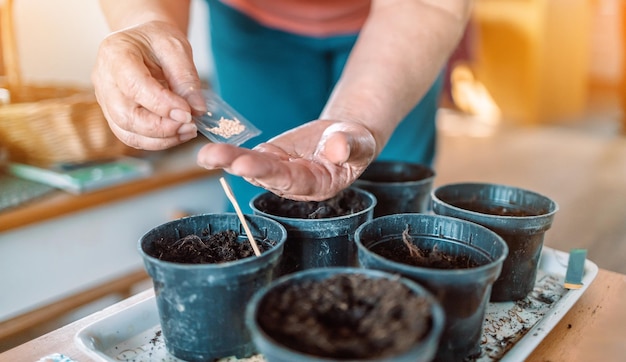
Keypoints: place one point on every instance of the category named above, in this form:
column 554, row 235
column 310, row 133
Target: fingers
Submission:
column 148, row 98
column 138, row 127
column 273, row 169
column 345, row 142
column 137, row 139
column 163, row 78
column 335, row 147
column 295, row 179
column 309, row 163
column 218, row 155
column 239, row 161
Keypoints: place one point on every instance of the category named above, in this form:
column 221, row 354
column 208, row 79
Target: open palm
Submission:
column 309, row 163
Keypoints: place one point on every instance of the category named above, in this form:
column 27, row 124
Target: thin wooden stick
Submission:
column 233, row 200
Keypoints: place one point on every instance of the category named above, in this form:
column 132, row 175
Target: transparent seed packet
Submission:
column 220, row 123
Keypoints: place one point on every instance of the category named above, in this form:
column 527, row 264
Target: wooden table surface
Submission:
column 594, row 329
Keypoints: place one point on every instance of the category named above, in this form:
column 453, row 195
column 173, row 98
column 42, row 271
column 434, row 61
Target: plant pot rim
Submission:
column 466, row 272
column 484, row 185
column 370, row 196
column 216, row 266
column 425, row 180
column 437, row 312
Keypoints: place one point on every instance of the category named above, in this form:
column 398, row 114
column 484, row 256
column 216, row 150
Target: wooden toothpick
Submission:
column 233, row 200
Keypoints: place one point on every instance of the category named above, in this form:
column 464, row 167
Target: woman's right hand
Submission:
column 147, row 85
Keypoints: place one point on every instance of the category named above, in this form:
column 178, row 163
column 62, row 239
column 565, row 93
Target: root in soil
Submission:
column 408, row 253
column 207, row 249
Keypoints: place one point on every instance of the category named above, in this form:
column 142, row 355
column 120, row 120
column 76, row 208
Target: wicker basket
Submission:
column 48, row 124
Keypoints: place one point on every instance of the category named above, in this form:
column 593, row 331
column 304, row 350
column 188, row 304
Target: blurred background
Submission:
column 57, row 40
column 522, row 61
column 540, row 60
column 535, row 98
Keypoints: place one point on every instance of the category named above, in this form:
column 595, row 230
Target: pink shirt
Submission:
column 317, row 18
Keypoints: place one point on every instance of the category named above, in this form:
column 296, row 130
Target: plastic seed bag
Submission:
column 220, row 123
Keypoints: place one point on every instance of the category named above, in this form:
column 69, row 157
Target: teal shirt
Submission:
column 279, row 80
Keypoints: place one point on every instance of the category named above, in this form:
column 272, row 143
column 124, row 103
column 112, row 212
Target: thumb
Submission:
column 347, row 142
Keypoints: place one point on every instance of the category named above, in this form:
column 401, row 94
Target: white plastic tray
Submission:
column 510, row 333
column 512, row 330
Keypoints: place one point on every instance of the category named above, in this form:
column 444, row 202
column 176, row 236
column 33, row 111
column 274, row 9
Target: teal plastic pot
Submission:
column 317, row 243
column 274, row 351
column 399, row 187
column 521, row 217
column 201, row 306
column 463, row 293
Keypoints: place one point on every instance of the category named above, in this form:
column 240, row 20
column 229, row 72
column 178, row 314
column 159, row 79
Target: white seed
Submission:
column 227, row 128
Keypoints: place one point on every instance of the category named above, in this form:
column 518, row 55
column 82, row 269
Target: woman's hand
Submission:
column 312, row 162
column 146, row 83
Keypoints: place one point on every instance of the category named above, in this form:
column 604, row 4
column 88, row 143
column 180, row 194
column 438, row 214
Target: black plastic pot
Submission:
column 521, row 217
column 201, row 306
column 274, row 351
column 399, row 187
column 315, row 243
column 463, row 293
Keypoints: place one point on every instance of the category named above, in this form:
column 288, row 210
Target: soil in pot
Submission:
column 202, row 294
column 319, row 234
column 206, row 249
column 346, row 316
column 456, row 245
column 346, row 202
column 404, row 251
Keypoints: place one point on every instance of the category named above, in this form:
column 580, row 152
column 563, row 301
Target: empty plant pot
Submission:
column 456, row 260
column 319, row 234
column 399, row 187
column 344, row 314
column 521, row 217
column 201, row 306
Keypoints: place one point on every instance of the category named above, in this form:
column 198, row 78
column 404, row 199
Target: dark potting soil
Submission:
column 404, row 251
column 498, row 210
column 206, row 249
column 347, row 316
column 346, row 202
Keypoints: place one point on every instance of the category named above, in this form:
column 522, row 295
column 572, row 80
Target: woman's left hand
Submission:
column 312, row 162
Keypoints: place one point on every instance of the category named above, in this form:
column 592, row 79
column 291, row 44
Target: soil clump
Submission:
column 346, row 202
column 217, row 248
column 346, row 317
column 404, row 251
